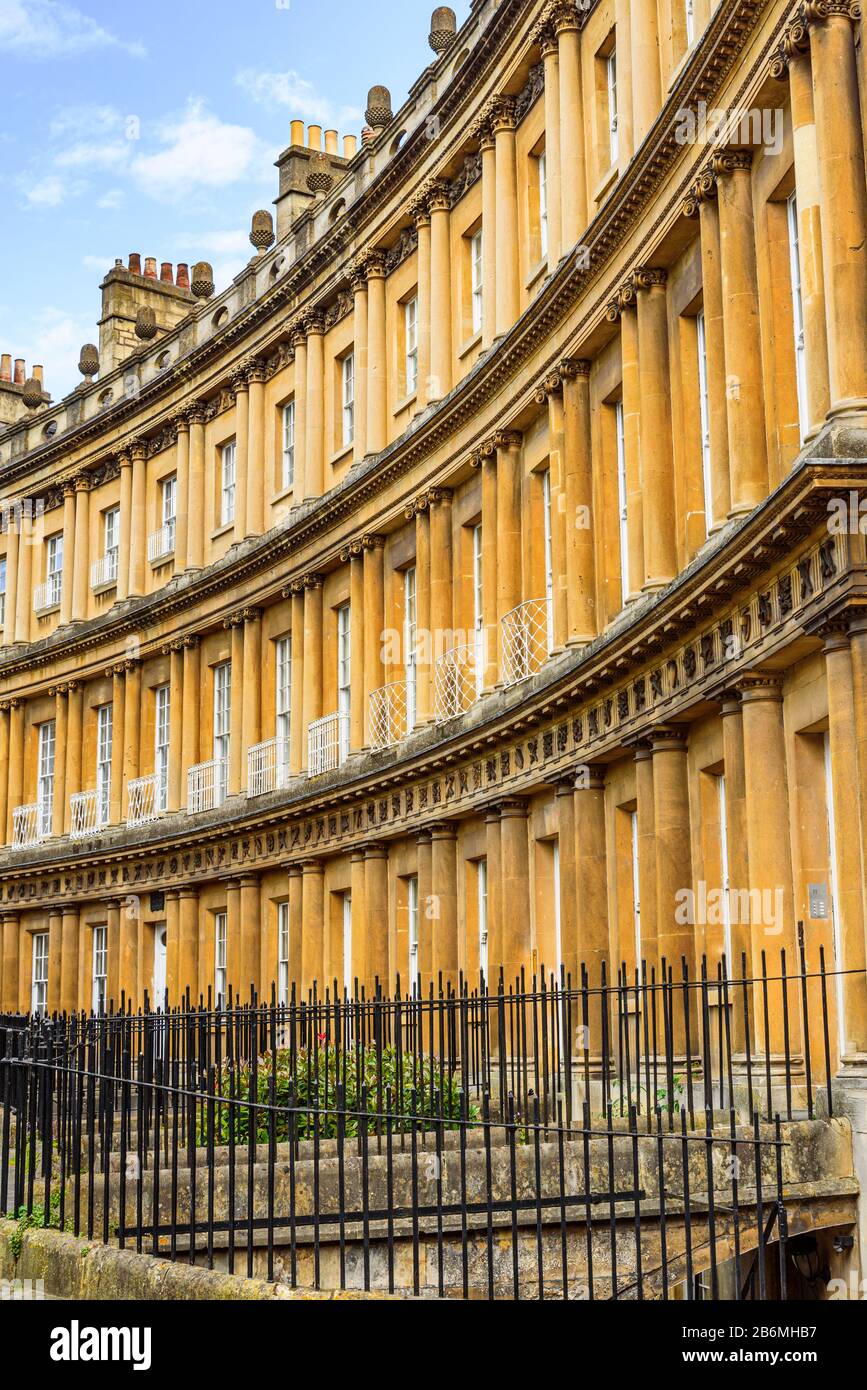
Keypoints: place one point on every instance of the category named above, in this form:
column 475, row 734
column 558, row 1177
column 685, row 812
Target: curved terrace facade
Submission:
column 479, row 581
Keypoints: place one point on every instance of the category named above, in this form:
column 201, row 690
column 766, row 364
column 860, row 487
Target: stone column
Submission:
column 736, row 824
column 11, row 525
column 176, row 726
column 515, row 877
column 251, row 935
column 377, row 356
column 237, row 751
column 131, row 727
column 81, row 558
column 295, row 926
column 580, row 561
column 421, row 214
column 488, row 151
column 125, row 528
column 441, row 294
column 748, row 454
column 61, row 711
column 374, row 621
column 118, row 758
column 24, row 605
column 299, row 343
column 644, row 67
column 487, row 461
column 427, row 922
column 297, row 730
column 4, row 767
column 360, row 319
column 208, row 948
column 858, row 640
column 504, row 124
column 509, row 448
column 138, row 519
column 112, row 933
column 494, row 857
column 846, row 799
column 356, row 969
column 657, row 463
column 793, row 62
column 553, row 392
column 69, row 961
column 196, row 492
column 673, row 849
column 702, row 203
column 358, row 702
column 67, row 581
column 572, row 152
column 242, row 452
column 55, row 953
column 182, row 427
column 192, row 698
column 74, row 727
column 441, row 620
column 174, row 985
column 128, row 952
column 375, row 922
column 251, row 715
column 424, row 693
column 10, row 925
column 625, row 135
column 444, row 907
column 314, row 467
column 188, row 944
column 591, row 871
column 312, row 925
column 647, row 852
column 840, row 160
column 312, row 699
column 549, row 44
column 256, row 479
column 624, row 310
column 565, row 802
column 16, row 762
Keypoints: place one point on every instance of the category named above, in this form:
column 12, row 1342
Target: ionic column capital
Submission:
column 704, row 190
column 138, row 450
column 815, row 12
column 572, row 367
column 436, row 495
column 757, row 686
column 313, row 581
column 665, row 738
column 372, row 541
column 551, row 386
column 649, row 277
column 502, row 114
column 195, row 413
column 727, row 162
column 566, row 15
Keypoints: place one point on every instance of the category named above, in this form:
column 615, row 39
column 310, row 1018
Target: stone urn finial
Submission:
column 88, row 362
column 379, row 112
column 32, row 393
column 262, row 231
column 202, row 282
column 145, row 324
column 319, row 175
column 443, row 28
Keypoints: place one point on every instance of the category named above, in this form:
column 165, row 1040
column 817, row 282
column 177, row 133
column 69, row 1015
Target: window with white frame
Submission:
column 222, row 727
column 111, row 530
column 54, row 568
column 613, row 135
column 227, row 483
column 104, row 740
column 347, row 376
column 704, row 418
column 482, row 891
column 3, row 590
column 621, row 499
column 689, row 12
column 100, row 969
column 549, row 556
column 162, row 718
column 39, row 974
column 288, row 469
column 283, row 704
column 283, row 955
column 168, row 507
column 410, row 645
column 45, row 776
column 476, row 281
column 344, row 675
column 221, row 930
column 542, row 171
column 478, row 610
column 410, row 328
column 798, row 313
column 412, row 926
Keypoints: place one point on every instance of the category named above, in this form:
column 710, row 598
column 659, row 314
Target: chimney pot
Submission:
column 150, row 269
column 350, row 147
column 37, row 371
column 20, row 374
column 6, row 367
column 183, row 276
column 166, row 273
column 134, row 263
column 331, row 142
column 314, row 137
column 297, row 133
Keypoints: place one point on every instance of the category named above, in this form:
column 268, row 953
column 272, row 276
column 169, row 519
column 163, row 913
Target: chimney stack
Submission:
column 183, row 276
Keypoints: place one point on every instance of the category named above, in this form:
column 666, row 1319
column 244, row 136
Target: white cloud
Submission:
column 54, row 338
column 89, row 154
column 53, row 29
column 49, row 192
column 85, row 120
column 200, row 151
column 112, row 200
column 289, row 89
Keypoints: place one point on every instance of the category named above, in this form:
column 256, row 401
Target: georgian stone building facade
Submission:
column 482, row 572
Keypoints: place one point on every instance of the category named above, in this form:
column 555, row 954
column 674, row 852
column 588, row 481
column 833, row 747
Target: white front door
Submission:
column 159, row 967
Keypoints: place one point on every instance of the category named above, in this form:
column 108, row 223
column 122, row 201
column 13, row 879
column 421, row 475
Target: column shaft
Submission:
column 631, row 388
column 508, row 288
column 237, row 750
column 191, row 705
column 657, row 463
column 445, row 902
column 673, row 848
column 552, row 149
column 256, row 479
column 81, row 558
column 195, row 496
column 131, row 728
column 489, row 238
column 423, row 255
column 73, row 750
column 441, row 300
column 312, row 925
column 714, row 332
column 182, row 425
column 578, row 460
column 424, row 696
column 297, row 729
column 374, row 923
column 312, row 703
column 360, row 327
column 118, row 744
column 251, row 934
column 138, row 520
column 358, row 710
column 242, row 455
column 61, row 711
column 591, row 872
column 314, row 468
column 24, row 607
column 176, row 727
column 572, row 153
column 643, row 67
column 557, row 487
column 377, row 359
column 251, row 733
column 490, row 569
column 809, row 201
column 374, row 621
column 125, row 535
column 67, row 582
column 515, row 875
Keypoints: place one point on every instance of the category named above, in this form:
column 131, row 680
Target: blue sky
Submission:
column 153, row 128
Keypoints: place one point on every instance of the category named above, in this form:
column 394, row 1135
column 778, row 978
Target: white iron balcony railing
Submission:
column 146, row 798
column 30, row 825
column 207, row 785
column 267, row 766
column 456, row 682
column 327, row 743
column 162, row 543
column 47, row 595
column 90, row 813
column 104, row 572
column 388, row 723
column 526, row 640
